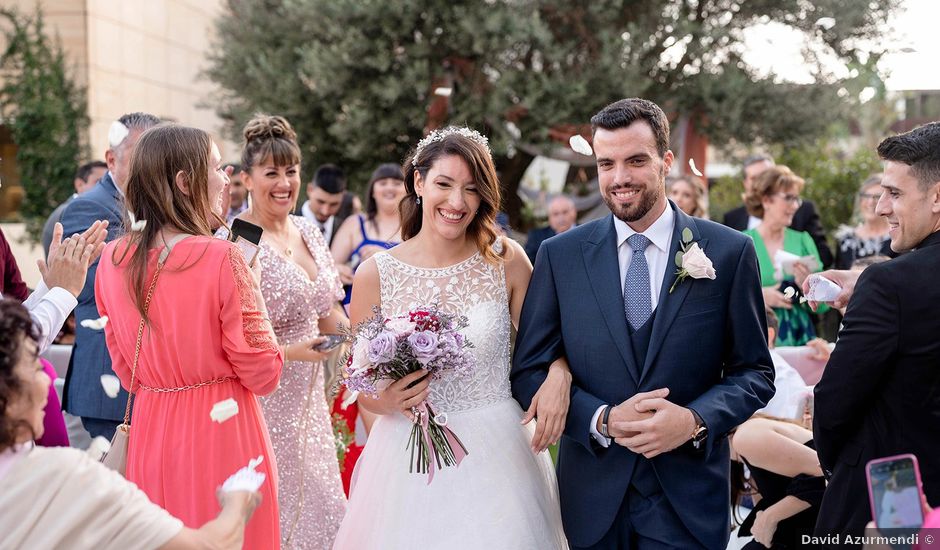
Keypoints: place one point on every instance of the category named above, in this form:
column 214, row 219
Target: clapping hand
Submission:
column 67, row 265
column 669, row 427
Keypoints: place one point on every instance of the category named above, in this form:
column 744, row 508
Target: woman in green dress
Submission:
column 775, row 197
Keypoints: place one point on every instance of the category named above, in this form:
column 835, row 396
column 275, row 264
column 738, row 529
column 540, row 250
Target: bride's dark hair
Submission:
column 482, row 228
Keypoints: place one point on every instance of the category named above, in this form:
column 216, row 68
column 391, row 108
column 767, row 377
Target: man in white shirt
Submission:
column 328, row 203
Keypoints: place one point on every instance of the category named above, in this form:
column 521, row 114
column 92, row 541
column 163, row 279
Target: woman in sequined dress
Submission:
column 301, row 288
column 503, row 495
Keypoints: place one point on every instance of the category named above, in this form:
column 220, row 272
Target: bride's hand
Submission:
column 399, row 397
column 550, row 406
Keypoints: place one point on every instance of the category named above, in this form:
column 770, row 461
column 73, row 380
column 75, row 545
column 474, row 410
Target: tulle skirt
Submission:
column 501, row 496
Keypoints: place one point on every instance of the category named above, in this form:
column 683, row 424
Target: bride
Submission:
column 504, row 493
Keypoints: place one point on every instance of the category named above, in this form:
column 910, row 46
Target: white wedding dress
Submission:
column 502, row 496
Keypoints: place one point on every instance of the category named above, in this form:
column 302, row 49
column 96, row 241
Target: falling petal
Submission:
column 136, row 225
column 826, row 23
column 255, row 462
column 580, row 145
column 443, row 91
column 693, row 168
column 95, row 324
column 111, row 385
column 789, row 292
column 803, row 299
column 116, row 133
column 513, row 130
column 98, row 448
column 223, row 410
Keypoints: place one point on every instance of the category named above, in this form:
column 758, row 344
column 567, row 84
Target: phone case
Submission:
column 871, row 493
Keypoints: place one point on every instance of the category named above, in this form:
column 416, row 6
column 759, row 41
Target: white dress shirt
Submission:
column 49, row 308
column 790, row 391
column 657, row 259
column 753, row 221
column 326, row 228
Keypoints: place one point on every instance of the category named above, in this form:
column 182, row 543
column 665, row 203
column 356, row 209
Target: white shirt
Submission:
column 49, row 309
column 326, row 228
column 790, row 390
column 657, row 259
column 753, row 221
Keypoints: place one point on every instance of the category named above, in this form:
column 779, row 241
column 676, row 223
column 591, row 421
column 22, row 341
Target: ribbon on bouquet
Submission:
column 436, row 444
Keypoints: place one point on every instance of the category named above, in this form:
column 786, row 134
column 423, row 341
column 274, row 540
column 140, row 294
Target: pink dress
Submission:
column 310, row 494
column 207, row 342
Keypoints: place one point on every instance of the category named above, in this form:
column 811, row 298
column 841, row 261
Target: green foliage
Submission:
column 832, row 179
column 357, row 77
column 46, row 113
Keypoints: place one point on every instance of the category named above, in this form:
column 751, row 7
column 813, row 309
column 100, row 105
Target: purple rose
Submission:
column 382, row 348
column 424, row 346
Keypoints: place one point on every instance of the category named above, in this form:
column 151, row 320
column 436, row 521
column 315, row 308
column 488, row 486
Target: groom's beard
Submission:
column 635, row 211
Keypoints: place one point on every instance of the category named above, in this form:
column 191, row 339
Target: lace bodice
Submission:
column 473, row 288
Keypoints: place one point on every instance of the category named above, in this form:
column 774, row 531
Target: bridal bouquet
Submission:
column 387, row 349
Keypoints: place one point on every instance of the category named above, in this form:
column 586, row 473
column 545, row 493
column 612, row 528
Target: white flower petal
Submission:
column 116, row 133
column 95, row 324
column 826, row 23
column 693, row 168
column 789, row 292
column 111, row 385
column 580, row 145
column 443, row 91
column 223, row 410
column 98, row 448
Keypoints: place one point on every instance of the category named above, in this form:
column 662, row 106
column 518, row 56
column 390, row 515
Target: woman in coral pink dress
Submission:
column 207, row 339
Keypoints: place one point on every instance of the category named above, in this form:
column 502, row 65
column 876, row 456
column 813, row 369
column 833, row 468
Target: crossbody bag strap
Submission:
column 164, row 254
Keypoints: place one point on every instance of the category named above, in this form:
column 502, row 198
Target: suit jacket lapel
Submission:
column 670, row 303
column 603, row 268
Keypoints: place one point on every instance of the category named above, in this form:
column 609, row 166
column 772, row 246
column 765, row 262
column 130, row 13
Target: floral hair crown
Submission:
column 438, row 135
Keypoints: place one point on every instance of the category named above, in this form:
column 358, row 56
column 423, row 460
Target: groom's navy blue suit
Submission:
column 708, row 345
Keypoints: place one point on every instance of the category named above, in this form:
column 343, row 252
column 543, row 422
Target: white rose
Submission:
column 697, row 264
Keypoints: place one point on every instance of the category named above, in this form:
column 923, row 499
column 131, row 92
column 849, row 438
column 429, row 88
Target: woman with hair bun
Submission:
column 302, row 289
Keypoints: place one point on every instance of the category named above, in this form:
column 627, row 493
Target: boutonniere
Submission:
column 691, row 261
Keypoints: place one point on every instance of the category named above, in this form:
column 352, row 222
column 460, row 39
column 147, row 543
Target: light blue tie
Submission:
column 637, row 301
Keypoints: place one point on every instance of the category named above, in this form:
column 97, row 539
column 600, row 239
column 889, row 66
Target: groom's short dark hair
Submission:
column 625, row 112
column 919, row 149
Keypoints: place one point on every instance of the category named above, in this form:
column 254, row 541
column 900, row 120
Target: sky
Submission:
column 910, row 35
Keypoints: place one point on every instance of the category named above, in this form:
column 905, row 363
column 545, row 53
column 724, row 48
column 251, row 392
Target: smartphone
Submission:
column 247, row 237
column 895, row 492
column 332, row 340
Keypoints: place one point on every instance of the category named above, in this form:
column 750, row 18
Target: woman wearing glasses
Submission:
column 775, row 197
column 870, row 236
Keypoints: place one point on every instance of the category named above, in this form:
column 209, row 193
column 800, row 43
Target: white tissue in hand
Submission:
column 822, row 289
column 95, row 324
column 246, row 479
column 111, row 385
column 223, row 410
column 98, row 448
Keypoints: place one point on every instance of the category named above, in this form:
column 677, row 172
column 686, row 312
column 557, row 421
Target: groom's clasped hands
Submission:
column 649, row 424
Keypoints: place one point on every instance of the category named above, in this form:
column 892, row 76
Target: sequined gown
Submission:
column 310, row 492
column 502, row 496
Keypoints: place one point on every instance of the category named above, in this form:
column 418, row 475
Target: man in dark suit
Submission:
column 328, row 203
column 880, row 393
column 662, row 368
column 84, row 395
column 805, row 219
column 562, row 216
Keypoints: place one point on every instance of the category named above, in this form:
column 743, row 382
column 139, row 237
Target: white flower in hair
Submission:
column 438, row 135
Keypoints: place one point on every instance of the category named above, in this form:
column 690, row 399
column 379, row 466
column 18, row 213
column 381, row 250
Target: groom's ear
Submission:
column 668, row 157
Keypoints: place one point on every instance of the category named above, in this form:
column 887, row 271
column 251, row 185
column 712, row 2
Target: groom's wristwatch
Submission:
column 605, row 416
column 700, row 433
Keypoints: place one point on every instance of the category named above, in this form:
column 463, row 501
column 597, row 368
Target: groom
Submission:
column 662, row 369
